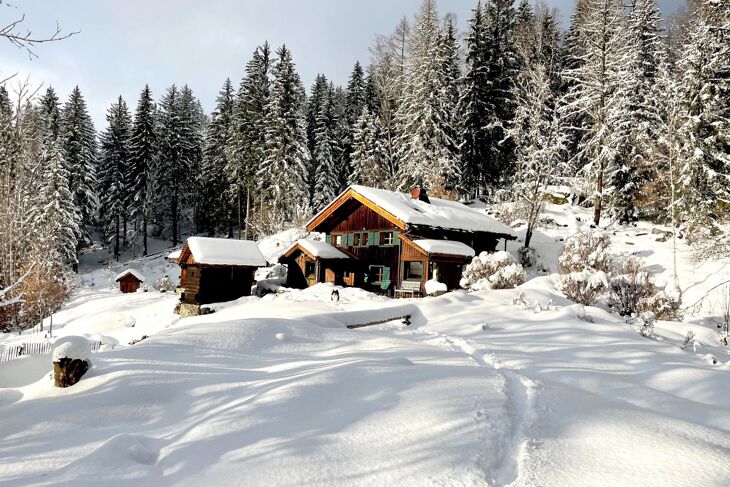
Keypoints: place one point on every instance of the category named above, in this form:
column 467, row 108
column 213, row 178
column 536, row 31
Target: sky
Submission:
column 123, row 44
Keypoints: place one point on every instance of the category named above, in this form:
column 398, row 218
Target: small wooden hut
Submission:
column 310, row 261
column 214, row 270
column 129, row 280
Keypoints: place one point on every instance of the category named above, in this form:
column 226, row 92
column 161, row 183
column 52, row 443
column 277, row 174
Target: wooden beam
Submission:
column 405, row 318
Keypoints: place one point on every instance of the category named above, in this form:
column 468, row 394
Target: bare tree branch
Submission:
column 24, row 38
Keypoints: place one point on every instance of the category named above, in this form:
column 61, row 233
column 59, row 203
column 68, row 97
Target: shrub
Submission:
column 665, row 306
column 497, row 270
column 164, row 284
column 527, row 256
column 585, row 250
column 583, row 287
column 630, row 286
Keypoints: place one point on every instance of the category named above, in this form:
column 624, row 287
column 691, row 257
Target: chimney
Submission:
column 419, row 193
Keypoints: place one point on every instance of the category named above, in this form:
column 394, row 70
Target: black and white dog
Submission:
column 335, row 296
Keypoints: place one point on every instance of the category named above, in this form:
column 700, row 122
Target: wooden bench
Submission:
column 409, row 289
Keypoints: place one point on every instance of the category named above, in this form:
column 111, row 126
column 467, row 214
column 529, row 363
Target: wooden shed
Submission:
column 311, row 261
column 129, row 280
column 217, row 269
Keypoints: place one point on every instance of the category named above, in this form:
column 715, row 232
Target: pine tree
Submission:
column 247, row 138
column 80, row 154
column 283, row 176
column 356, row 99
column 143, row 160
column 594, row 94
column 113, row 170
column 424, row 145
column 704, row 92
column 473, row 106
column 50, row 113
column 318, row 96
column 502, row 69
column 634, row 167
column 367, row 156
column 326, row 184
column 215, row 207
column 54, row 215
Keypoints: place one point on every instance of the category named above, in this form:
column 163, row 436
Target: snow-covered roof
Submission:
column 133, row 272
column 174, row 255
column 438, row 212
column 446, row 247
column 225, row 251
column 320, row 249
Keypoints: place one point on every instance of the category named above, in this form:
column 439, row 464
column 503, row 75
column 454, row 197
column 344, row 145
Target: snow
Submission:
column 513, row 387
column 320, row 249
column 175, row 255
column 432, row 287
column 223, row 251
column 73, row 347
column 438, row 213
column 445, row 247
column 133, row 272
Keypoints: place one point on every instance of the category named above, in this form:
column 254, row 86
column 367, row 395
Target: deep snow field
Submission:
column 480, row 389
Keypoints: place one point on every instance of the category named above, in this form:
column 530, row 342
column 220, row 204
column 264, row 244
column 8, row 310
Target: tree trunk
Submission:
column 144, row 233
column 240, row 225
column 599, row 196
column 248, row 211
column 67, row 372
column 116, row 239
column 173, row 210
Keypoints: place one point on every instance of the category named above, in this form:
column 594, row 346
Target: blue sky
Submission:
column 124, row 44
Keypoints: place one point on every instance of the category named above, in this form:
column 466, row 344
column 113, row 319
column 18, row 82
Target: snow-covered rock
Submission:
column 433, row 287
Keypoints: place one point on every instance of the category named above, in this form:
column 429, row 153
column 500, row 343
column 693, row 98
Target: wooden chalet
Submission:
column 392, row 243
column 129, row 281
column 217, row 269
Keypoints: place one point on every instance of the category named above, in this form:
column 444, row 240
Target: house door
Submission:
column 329, row 276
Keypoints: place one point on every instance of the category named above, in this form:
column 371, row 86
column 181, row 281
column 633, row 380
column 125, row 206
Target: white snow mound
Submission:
column 73, row 347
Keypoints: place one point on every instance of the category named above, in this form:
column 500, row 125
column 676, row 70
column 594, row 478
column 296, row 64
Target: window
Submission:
column 364, row 239
column 356, row 240
column 338, row 240
column 387, row 238
column 376, row 274
column 413, row 271
column 309, row 269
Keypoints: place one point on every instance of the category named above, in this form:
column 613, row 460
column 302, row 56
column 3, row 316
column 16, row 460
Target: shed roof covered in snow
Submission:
column 174, row 255
column 406, row 211
column 317, row 249
column 223, row 252
column 138, row 275
column 444, row 247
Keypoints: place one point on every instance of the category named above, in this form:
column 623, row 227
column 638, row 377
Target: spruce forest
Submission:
column 627, row 107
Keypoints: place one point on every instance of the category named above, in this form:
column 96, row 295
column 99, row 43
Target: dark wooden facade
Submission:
column 205, row 284
column 129, row 283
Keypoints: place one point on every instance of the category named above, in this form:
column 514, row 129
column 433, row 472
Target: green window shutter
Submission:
column 385, row 283
column 328, row 239
column 396, row 238
column 373, row 239
column 348, row 239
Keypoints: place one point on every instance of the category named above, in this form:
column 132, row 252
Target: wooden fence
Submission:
column 34, row 348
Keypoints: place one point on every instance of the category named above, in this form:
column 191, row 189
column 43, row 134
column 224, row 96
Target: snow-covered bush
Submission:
column 497, row 270
column 164, row 284
column 631, row 285
column 585, row 250
column 664, row 305
column 527, row 256
column 583, row 287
